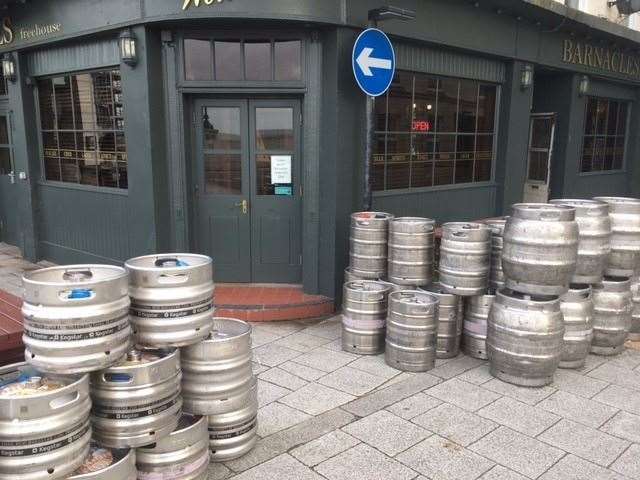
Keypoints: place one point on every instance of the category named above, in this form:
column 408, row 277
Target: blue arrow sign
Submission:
column 373, row 61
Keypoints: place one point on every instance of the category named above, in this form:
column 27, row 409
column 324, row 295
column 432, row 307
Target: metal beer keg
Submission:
column 540, row 249
column 577, row 310
column 75, row 318
column 496, row 274
column 612, row 319
column 44, row 423
column 107, row 464
column 524, row 338
column 411, row 248
column 137, row 401
column 368, row 244
column 474, row 330
column 364, row 312
column 465, row 255
column 183, row 455
column 171, row 298
column 624, row 258
column 216, row 373
column 594, row 238
column 450, row 311
column 412, row 325
column 634, row 333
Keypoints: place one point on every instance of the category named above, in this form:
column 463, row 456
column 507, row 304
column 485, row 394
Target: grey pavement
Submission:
column 327, row 414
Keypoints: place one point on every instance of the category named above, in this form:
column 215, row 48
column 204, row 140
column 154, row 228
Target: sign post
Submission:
column 374, row 63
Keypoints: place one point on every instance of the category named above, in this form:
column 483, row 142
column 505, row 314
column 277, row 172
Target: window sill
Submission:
column 602, row 172
column 438, row 188
column 84, row 188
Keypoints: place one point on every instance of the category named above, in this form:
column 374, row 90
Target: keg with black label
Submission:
column 44, row 423
column 75, row 318
column 137, row 401
column 171, row 298
column 183, row 455
column 104, row 463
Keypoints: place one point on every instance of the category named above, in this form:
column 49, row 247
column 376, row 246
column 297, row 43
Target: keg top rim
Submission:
column 376, row 286
column 163, row 354
column 414, row 219
column 408, row 296
column 579, row 202
column 436, row 288
column 372, row 215
column 120, row 456
column 150, row 262
column 471, row 226
column 55, row 276
column 537, row 299
column 496, row 221
column 618, row 200
column 239, row 329
column 23, row 368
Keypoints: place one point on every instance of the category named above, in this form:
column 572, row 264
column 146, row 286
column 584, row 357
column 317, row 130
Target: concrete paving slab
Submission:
column 463, row 394
column 619, row 375
column 301, row 342
column 519, row 416
column 272, row 355
column 624, row 425
column 283, row 467
column 620, row 397
column 352, row 381
column 477, row 376
column 268, row 392
column 413, row 406
column 324, row 447
column 276, row 416
column 325, row 360
column 530, row 396
column 579, row 409
column 575, row 468
column 364, row 463
column 375, row 365
column 501, row 473
column 583, row 385
column 629, row 462
column 315, row 399
column 306, row 373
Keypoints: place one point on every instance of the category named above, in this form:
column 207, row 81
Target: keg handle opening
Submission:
column 76, row 295
column 117, row 377
column 459, row 234
column 176, row 262
column 173, row 279
column 77, row 275
column 64, row 400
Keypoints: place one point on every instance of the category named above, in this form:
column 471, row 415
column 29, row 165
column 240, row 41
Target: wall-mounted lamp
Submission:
column 526, row 76
column 9, row 67
column 389, row 12
column 128, row 47
column 583, row 86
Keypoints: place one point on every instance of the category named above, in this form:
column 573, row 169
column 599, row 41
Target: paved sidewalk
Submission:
column 329, row 414
column 13, row 266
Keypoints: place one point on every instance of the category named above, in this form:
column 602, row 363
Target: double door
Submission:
column 248, row 191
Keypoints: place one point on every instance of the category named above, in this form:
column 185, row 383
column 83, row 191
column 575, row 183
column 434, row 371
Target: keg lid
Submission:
column 416, row 297
column 372, row 215
column 496, row 224
column 140, row 357
column 167, row 261
column 544, row 212
column 367, row 286
column 70, row 276
column 98, row 459
column 27, row 384
column 225, row 328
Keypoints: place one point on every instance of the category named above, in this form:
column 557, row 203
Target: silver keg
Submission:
column 44, row 423
column 350, row 277
column 540, row 249
column 235, row 433
column 75, row 318
column 171, row 299
column 364, row 313
column 183, row 455
column 524, row 338
column 412, row 325
column 465, row 256
column 137, row 401
column 612, row 301
column 411, row 251
column 496, row 274
column 625, row 235
column 634, row 332
column 107, row 464
column 368, row 244
column 216, row 373
column 450, row 310
column 594, row 247
column 474, row 329
column 577, row 310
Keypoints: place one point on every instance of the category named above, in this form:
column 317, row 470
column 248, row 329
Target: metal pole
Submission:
column 368, row 146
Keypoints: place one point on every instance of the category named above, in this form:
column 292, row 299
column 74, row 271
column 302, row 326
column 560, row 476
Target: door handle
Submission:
column 12, row 177
column 245, row 206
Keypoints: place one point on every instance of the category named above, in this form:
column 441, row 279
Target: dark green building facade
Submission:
column 239, row 130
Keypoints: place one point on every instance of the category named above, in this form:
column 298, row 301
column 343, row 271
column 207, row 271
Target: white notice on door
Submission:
column 280, row 169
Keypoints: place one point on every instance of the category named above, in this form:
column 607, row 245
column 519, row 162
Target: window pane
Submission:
column 377, row 162
column 609, row 152
column 46, row 104
column 64, row 104
column 486, row 108
column 398, row 160
column 4, row 130
column 464, row 171
column 484, row 158
column 541, row 132
column 622, row 119
column 228, row 59
column 380, row 115
column 592, row 116
column 598, row 153
column 5, row 161
column 83, row 102
column 619, row 153
column 400, row 103
column 288, row 59
column 221, row 127
column 467, row 106
column 223, row 173
column 587, row 154
column 602, row 111
column 52, row 168
column 447, row 106
column 274, row 129
column 257, row 60
column 3, row 84
column 612, row 118
column 197, row 59
column 424, row 115
column 538, row 166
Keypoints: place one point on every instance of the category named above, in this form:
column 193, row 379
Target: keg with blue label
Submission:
column 171, row 299
column 137, row 401
column 44, row 423
column 75, row 318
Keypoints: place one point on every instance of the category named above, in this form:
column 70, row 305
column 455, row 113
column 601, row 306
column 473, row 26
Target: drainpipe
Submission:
column 572, row 4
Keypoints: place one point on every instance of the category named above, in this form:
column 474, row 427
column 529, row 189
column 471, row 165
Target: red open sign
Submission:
column 421, row 126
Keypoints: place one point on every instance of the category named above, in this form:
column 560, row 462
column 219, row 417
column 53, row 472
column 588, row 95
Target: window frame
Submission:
column 42, row 180
column 623, row 166
column 6, row 112
column 491, row 182
column 271, row 35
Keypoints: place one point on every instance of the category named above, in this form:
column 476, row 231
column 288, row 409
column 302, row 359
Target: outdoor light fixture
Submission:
column 128, row 47
column 583, row 86
column 391, row 13
column 526, row 77
column 625, row 7
column 9, row 67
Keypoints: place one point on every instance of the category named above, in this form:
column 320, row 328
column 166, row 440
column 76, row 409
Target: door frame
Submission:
column 192, row 103
column 527, row 181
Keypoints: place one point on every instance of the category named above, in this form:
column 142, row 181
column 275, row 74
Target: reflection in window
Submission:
column 228, row 54
column 222, row 150
column 433, row 131
column 5, row 146
column 257, row 60
column 82, row 129
column 274, row 142
column 197, row 59
column 605, row 131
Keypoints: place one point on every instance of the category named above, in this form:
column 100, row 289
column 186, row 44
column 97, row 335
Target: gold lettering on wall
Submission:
column 36, row 31
column 600, row 58
column 196, row 3
column 6, row 35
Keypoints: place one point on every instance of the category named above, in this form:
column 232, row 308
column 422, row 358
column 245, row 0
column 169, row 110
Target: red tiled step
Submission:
column 11, row 349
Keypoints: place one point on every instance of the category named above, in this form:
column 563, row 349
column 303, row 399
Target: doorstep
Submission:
column 269, row 302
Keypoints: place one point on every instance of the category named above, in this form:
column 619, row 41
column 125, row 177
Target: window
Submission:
column 258, row 60
column 433, row 131
column 4, row 88
column 82, row 129
column 604, row 135
column 6, row 166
